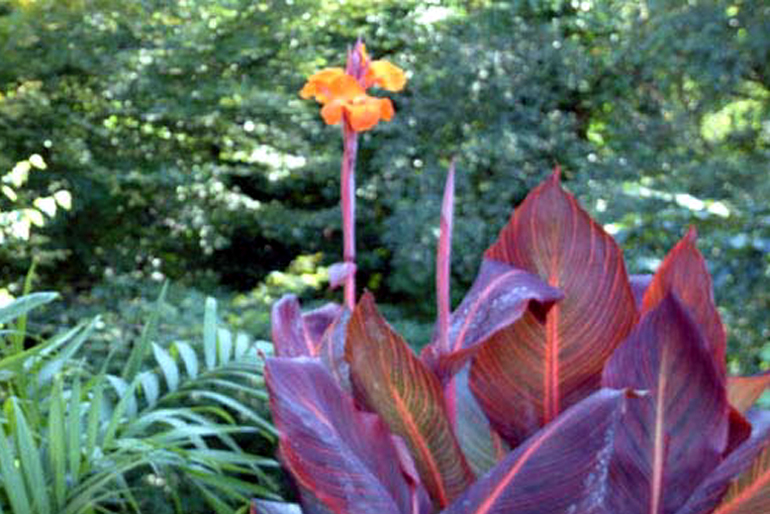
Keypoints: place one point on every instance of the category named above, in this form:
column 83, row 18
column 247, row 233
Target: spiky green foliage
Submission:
column 171, row 427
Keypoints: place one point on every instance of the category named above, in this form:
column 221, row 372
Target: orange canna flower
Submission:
column 343, row 96
column 347, row 97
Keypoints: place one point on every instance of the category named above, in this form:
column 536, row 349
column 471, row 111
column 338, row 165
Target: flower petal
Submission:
column 386, row 75
column 386, row 109
column 364, row 113
column 319, row 84
column 332, row 112
column 345, row 88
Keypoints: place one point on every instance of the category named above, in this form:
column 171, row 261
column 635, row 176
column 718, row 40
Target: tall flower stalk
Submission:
column 345, row 100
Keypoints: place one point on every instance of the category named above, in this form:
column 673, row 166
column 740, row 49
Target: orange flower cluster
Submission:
column 343, row 95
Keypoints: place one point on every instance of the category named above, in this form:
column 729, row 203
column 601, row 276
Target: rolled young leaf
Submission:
column 675, row 436
column 444, row 260
column 344, row 457
column 562, row 468
column 388, row 378
column 684, row 273
column 746, row 472
column 528, row 373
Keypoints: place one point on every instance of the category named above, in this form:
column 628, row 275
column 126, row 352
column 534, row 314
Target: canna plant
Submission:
column 560, row 384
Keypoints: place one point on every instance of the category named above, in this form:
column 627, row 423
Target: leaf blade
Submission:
column 388, row 378
column 537, row 369
column 562, row 468
column 684, row 273
column 678, row 433
column 343, row 456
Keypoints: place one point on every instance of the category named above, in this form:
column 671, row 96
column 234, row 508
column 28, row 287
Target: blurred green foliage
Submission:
column 177, row 128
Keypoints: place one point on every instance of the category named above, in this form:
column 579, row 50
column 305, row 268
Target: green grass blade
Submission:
column 225, row 345
column 139, row 351
column 12, row 479
column 74, row 431
column 54, row 366
column 31, row 466
column 240, row 408
column 189, row 358
column 210, row 333
column 94, row 418
column 21, row 323
column 150, row 386
column 122, row 388
column 45, row 348
column 117, row 415
column 57, row 449
column 22, row 305
column 214, row 502
column 242, row 345
column 168, row 366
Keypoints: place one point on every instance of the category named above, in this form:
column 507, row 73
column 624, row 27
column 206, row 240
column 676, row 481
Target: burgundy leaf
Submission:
column 684, row 272
column 529, row 372
column 739, row 429
column 743, row 392
column 295, row 334
column 639, row 285
column 339, row 272
column 344, row 457
column 499, row 296
column 671, row 439
column 560, row 469
column 388, row 378
column 744, row 476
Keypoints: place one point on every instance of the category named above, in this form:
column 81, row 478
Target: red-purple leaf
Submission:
column 295, row 334
column 499, row 296
column 743, row 392
column 747, row 474
column 339, row 272
column 671, row 439
column 560, row 469
column 739, row 429
column 684, row 273
column 344, row 457
column 389, row 379
column 526, row 374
